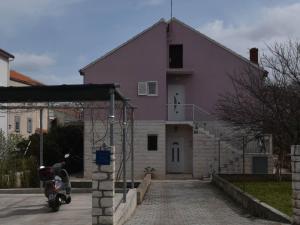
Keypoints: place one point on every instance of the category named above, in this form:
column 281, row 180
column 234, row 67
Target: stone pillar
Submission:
column 103, row 192
column 295, row 160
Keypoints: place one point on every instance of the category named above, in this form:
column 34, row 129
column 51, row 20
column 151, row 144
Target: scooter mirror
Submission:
column 67, row 156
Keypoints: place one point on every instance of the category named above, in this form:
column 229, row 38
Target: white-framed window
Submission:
column 148, row 88
column 152, row 88
column 29, row 125
column 17, row 124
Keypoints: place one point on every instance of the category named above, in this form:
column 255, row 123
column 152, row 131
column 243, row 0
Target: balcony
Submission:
column 179, row 71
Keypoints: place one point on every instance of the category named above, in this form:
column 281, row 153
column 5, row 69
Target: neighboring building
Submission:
column 25, row 121
column 174, row 75
column 5, row 58
column 64, row 117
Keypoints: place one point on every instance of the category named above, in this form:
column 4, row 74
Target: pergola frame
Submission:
column 74, row 93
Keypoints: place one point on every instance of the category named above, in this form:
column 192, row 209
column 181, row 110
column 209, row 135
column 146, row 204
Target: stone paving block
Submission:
column 190, row 203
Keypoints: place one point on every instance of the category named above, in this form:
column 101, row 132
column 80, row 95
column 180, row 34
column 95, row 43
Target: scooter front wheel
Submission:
column 68, row 200
column 55, row 204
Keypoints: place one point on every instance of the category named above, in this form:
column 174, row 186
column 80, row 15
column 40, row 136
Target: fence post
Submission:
column 41, row 143
column 295, row 161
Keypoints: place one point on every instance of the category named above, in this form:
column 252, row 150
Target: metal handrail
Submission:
column 213, row 125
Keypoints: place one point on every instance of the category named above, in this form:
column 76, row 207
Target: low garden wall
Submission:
column 248, row 202
column 255, row 177
column 143, row 187
column 125, row 210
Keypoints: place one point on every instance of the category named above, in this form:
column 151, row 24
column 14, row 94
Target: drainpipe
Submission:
column 132, row 147
column 111, row 117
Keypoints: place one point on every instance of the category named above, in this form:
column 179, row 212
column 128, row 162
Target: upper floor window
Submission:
column 29, row 125
column 175, row 56
column 17, row 124
column 148, row 88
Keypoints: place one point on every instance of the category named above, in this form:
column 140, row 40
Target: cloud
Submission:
column 270, row 25
column 29, row 62
column 18, row 12
column 151, row 2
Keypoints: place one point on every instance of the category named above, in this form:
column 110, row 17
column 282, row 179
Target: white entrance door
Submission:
column 175, row 156
column 176, row 101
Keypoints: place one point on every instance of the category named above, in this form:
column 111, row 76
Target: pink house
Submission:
column 174, row 75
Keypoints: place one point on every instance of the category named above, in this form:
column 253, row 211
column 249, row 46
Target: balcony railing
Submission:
column 187, row 112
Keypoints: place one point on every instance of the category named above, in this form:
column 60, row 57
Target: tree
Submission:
column 59, row 141
column 262, row 103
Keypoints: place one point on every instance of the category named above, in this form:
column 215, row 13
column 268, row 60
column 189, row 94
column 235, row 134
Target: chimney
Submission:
column 254, row 55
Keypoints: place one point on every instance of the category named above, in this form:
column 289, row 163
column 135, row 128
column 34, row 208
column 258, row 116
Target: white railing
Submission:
column 187, row 112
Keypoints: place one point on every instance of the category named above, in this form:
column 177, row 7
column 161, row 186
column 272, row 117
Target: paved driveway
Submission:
column 31, row 209
column 189, row 203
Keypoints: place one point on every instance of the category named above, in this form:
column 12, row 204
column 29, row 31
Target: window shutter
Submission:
column 142, row 88
column 152, row 87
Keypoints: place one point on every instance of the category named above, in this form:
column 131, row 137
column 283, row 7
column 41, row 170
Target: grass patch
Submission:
column 274, row 193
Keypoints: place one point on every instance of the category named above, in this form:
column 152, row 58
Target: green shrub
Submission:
column 27, row 167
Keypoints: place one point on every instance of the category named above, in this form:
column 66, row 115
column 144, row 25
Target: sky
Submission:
column 52, row 39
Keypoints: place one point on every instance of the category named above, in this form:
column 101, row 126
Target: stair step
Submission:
column 179, row 176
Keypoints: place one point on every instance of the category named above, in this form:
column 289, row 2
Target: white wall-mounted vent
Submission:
column 142, row 88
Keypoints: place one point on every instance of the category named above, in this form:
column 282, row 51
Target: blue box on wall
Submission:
column 103, row 157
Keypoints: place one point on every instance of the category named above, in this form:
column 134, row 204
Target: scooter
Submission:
column 57, row 184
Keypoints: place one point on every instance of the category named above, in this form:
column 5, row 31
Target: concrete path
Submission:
column 31, row 209
column 189, row 203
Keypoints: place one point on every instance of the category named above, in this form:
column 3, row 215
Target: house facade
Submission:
column 5, row 59
column 25, row 121
column 174, row 75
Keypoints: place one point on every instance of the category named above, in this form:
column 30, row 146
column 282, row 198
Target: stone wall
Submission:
column 125, row 210
column 103, row 192
column 204, row 154
column 142, row 157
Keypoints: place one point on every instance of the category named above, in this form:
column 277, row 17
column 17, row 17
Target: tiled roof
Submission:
column 18, row 77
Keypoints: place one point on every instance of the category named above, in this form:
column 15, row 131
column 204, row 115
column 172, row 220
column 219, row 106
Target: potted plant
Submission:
column 149, row 170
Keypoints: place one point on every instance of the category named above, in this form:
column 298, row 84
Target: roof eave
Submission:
column 215, row 42
column 6, row 54
column 81, row 71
